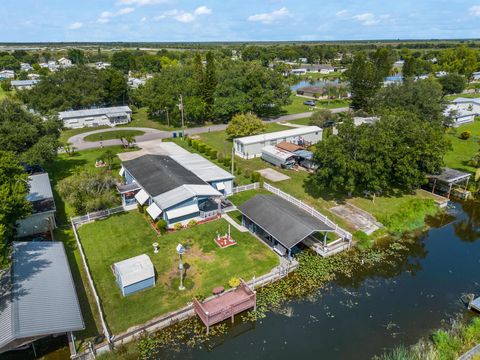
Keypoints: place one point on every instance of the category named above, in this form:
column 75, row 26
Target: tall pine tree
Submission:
column 209, row 85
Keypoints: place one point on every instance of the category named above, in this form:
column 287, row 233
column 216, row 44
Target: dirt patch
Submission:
column 196, row 252
column 273, row 175
column 357, row 218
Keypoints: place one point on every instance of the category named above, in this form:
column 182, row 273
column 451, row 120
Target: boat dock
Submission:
column 474, row 304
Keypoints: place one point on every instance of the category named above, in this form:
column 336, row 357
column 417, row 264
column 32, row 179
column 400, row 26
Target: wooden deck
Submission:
column 226, row 305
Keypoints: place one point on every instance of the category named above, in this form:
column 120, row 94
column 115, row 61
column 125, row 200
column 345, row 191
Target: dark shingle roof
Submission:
column 158, row 174
column 284, row 221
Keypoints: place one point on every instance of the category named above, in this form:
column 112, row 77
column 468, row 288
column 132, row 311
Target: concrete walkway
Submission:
column 78, row 141
column 234, row 223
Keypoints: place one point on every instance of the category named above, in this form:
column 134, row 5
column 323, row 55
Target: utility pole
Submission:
column 168, row 118
column 233, row 157
column 180, row 107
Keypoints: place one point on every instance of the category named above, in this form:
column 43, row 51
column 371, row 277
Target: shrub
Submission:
column 213, row 154
column 201, row 147
column 221, row 157
column 192, row 223
column 189, row 141
column 465, row 135
column 178, row 226
column 162, row 226
column 364, row 240
column 244, row 125
column 256, row 176
column 208, row 149
column 140, row 208
column 227, row 162
column 195, row 144
column 247, row 174
column 234, row 282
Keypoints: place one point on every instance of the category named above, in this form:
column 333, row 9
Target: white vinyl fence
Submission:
column 343, row 233
column 253, row 186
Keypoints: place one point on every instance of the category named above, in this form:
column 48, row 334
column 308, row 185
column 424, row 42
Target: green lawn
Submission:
column 469, row 95
column 65, row 166
column 115, row 134
column 297, row 106
column 463, row 150
column 129, row 234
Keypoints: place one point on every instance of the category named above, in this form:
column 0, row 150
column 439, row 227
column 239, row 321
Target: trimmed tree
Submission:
column 245, row 125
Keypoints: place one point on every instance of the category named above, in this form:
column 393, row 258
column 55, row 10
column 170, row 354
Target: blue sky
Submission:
column 210, row 20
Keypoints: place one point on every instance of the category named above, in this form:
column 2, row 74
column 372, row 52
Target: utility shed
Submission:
column 450, row 179
column 37, row 295
column 278, row 157
column 251, row 146
column 134, row 274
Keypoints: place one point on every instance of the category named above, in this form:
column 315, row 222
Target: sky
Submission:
column 244, row 20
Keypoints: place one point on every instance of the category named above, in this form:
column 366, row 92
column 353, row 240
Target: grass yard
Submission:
column 463, row 150
column 115, row 134
column 125, row 235
column 297, row 106
column 468, row 95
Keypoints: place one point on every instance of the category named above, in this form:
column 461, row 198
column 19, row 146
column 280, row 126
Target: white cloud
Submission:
column 269, row 18
column 184, row 16
column 202, row 10
column 366, row 19
column 75, row 25
column 474, row 10
column 125, row 11
column 341, row 13
column 142, row 2
column 144, row 19
column 105, row 16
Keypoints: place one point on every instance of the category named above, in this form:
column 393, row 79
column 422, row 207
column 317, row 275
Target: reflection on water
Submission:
column 319, row 83
column 398, row 303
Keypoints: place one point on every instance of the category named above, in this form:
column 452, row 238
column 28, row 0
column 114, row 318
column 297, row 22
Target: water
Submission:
column 319, row 83
column 362, row 318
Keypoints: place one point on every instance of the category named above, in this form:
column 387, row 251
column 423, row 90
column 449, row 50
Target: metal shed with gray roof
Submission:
column 280, row 223
column 38, row 296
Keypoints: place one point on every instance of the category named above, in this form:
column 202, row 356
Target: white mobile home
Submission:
column 278, row 157
column 110, row 116
column 23, row 84
column 251, row 146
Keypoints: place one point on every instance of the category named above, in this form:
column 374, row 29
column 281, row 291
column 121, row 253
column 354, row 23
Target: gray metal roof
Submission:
column 93, row 112
column 157, row 174
column 183, row 193
column 201, row 167
column 41, row 299
column 287, row 223
column 451, row 176
column 23, row 82
column 40, row 187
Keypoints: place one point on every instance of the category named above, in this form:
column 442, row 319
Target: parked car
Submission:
column 309, row 102
column 328, row 123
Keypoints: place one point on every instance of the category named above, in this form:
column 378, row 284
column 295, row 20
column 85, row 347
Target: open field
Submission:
column 126, row 235
column 113, row 135
column 463, row 150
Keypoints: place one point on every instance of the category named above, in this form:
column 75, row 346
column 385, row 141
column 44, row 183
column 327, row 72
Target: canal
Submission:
column 365, row 316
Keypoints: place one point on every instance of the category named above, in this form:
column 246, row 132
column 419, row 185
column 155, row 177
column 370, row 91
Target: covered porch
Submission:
column 451, row 182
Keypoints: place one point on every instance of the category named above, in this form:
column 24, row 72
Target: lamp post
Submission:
column 180, row 252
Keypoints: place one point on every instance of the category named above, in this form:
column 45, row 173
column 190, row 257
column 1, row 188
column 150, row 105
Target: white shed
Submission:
column 251, row 146
column 134, row 274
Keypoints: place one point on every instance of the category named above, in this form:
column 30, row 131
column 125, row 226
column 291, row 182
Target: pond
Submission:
column 319, row 83
column 367, row 315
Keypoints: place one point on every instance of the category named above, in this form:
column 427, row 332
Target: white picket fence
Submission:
column 343, row 233
column 253, row 186
column 97, row 215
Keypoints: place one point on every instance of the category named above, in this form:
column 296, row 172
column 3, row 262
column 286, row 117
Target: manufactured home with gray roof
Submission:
column 110, row 116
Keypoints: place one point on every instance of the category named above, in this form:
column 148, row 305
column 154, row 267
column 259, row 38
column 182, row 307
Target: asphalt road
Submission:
column 78, row 141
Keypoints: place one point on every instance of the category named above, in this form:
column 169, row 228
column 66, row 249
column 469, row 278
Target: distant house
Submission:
column 357, row 120
column 476, row 76
column 421, row 77
column 25, row 67
column 42, row 219
column 471, row 104
column 65, row 63
column 136, row 82
column 176, row 188
column 298, row 71
column 303, row 60
column 393, row 80
column 110, row 116
column 319, row 68
column 23, row 84
column 102, row 65
column 399, row 64
column 251, row 146
column 37, row 295
column 134, row 274
column 52, row 65
column 34, row 76
column 463, row 110
column 441, row 73
column 7, row 74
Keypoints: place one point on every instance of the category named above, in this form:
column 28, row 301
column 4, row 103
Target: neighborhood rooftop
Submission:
column 451, row 176
column 183, row 193
column 201, row 167
column 461, row 100
column 281, row 219
column 38, row 298
column 158, row 174
column 40, row 193
column 109, row 111
column 279, row 134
